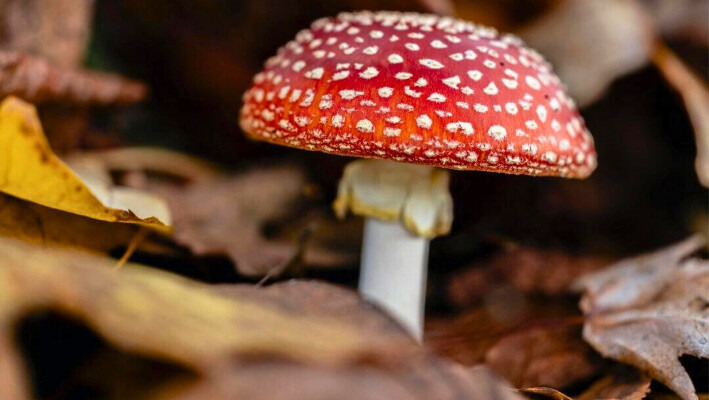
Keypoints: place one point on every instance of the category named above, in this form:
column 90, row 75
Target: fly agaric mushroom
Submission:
column 414, row 93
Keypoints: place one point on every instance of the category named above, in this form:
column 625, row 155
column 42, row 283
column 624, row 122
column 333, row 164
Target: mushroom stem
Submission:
column 393, row 272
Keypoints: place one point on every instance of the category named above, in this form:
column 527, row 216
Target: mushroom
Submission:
column 414, row 95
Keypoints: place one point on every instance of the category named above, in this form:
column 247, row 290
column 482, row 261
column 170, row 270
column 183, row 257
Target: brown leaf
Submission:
column 57, row 30
column 546, row 392
column 216, row 213
column 288, row 341
column 622, row 384
column 36, row 80
column 648, row 311
column 529, row 342
column 553, row 356
column 591, row 43
column 529, row 269
column 695, row 96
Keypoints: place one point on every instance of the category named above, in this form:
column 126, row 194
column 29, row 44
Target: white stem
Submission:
column 393, row 273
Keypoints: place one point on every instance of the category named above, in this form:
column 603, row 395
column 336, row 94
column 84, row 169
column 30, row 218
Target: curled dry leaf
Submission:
column 648, row 311
column 529, row 269
column 546, row 392
column 591, row 43
column 622, row 384
column 287, row 341
column 695, row 95
column 36, row 80
column 215, row 213
column 57, row 30
column 553, row 356
column 33, row 173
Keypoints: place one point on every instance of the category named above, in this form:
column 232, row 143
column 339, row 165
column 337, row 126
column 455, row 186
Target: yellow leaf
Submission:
column 29, row 170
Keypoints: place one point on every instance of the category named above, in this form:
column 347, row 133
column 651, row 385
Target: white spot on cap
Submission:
column 421, row 82
column 365, row 125
column 393, row 120
column 481, row 108
column 453, row 82
column 404, row 106
column 337, row 120
column 371, row 50
column 412, row 93
column 424, row 121
column 462, row 104
column 497, row 132
column 325, row 102
column 529, row 148
column 349, row 94
column 510, row 83
column 395, row 59
column 298, row 65
column 470, row 55
column 416, row 35
column 295, row 95
column 403, row 75
column 490, row 64
column 531, row 124
column 315, row 73
column 385, row 92
column 339, row 75
column 456, row 56
column 437, row 98
column 437, row 44
column 412, row 46
column 392, row 132
column 511, row 108
column 491, row 89
column 369, row 73
column 475, row 75
column 433, row 64
column 466, row 128
column 549, row 156
column 467, row 90
column 533, row 82
column 376, row 34
column 542, row 113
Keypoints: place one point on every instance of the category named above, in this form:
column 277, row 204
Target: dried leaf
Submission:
column 215, row 213
column 648, row 311
column 529, row 342
column 591, row 43
column 32, row 172
column 553, row 356
column 695, row 96
column 57, row 30
column 36, row 80
column 546, row 392
column 288, row 341
column 529, row 269
column 622, row 384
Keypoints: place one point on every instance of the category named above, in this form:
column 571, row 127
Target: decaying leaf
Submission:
column 695, row 96
column 215, row 213
column 32, row 172
column 288, row 341
column 553, row 356
column 591, row 43
column 530, row 269
column 648, row 311
column 546, row 392
column 57, row 30
column 622, row 384
column 36, row 80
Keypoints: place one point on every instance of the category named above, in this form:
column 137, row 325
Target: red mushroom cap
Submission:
column 420, row 89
